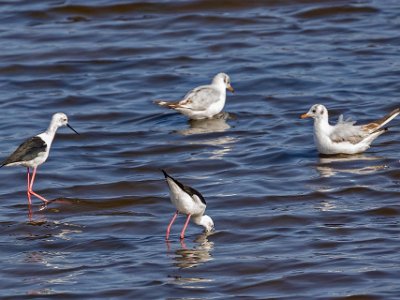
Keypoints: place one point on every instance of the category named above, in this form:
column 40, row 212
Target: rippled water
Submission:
column 290, row 223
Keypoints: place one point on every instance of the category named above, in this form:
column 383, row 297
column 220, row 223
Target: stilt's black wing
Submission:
column 28, row 150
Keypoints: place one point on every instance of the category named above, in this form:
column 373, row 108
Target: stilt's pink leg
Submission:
column 32, row 179
column 31, row 186
column 27, row 190
column 170, row 224
column 184, row 227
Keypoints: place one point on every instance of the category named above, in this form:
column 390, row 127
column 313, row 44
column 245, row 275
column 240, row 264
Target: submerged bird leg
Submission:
column 30, row 213
column 32, row 192
column 27, row 190
column 170, row 224
column 184, row 227
column 183, row 245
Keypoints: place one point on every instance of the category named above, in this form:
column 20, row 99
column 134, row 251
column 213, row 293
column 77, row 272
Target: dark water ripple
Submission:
column 290, row 224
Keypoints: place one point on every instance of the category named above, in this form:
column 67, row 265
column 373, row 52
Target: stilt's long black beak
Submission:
column 70, row 127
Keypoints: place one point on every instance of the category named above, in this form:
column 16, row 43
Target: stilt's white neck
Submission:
column 48, row 135
column 52, row 129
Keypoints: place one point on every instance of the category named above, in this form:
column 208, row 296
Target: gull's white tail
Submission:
column 375, row 126
column 166, row 104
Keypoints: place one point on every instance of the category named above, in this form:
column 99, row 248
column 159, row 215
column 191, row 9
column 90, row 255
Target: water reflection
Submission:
column 329, row 166
column 52, row 263
column 216, row 124
column 327, row 205
column 35, row 220
column 43, row 208
column 186, row 257
column 49, row 263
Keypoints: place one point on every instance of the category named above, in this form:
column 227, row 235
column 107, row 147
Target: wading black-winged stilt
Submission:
column 34, row 151
column 345, row 137
column 203, row 102
column 187, row 201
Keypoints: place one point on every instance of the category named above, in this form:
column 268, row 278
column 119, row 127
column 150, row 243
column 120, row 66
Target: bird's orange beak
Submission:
column 230, row 88
column 304, row 116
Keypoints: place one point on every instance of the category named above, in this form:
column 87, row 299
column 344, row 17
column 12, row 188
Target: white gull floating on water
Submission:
column 345, row 137
column 34, row 151
column 203, row 102
column 187, row 201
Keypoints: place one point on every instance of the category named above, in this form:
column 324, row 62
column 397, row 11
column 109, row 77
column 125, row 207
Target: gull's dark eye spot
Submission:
column 313, row 111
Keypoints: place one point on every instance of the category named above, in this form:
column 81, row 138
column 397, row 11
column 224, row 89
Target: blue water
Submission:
column 290, row 224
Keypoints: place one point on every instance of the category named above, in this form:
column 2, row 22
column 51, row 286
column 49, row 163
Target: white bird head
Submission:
column 223, row 79
column 317, row 112
column 61, row 119
column 207, row 223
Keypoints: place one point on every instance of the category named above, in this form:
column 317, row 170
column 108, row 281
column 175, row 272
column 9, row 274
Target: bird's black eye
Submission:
column 313, row 111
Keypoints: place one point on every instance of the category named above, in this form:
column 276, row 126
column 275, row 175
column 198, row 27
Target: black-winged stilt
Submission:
column 34, row 151
column 187, row 201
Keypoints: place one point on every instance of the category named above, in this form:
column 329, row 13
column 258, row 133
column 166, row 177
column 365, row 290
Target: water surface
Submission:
column 290, row 224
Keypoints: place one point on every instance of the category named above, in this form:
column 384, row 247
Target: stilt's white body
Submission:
column 37, row 161
column 184, row 203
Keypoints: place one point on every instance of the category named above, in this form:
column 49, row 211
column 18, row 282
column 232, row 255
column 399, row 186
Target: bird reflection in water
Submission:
column 200, row 253
column 38, row 220
column 216, row 124
column 54, row 263
column 339, row 165
column 329, row 166
column 31, row 215
column 48, row 261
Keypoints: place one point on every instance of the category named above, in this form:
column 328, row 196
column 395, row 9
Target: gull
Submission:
column 187, row 201
column 203, row 102
column 34, row 151
column 345, row 137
